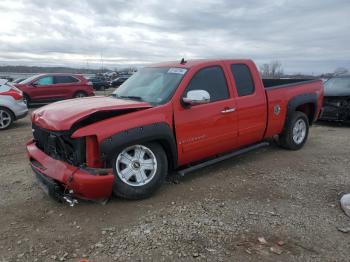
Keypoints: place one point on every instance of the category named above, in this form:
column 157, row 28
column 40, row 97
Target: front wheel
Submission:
column 295, row 132
column 139, row 170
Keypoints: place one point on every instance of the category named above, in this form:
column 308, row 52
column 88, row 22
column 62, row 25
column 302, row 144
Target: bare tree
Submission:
column 265, row 70
column 276, row 69
column 341, row 71
column 272, row 70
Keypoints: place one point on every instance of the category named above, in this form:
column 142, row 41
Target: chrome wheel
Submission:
column 299, row 131
column 136, row 165
column 5, row 119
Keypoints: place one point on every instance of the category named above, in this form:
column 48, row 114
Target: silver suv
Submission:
column 12, row 106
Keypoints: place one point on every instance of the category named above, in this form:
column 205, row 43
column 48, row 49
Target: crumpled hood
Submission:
column 62, row 115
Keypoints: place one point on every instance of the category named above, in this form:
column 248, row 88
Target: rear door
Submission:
column 251, row 103
column 68, row 85
column 207, row 129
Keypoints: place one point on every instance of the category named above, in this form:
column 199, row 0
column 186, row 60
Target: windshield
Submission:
column 337, row 85
column 18, row 80
column 153, row 85
column 30, row 79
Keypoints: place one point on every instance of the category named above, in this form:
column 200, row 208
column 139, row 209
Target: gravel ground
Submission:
column 268, row 205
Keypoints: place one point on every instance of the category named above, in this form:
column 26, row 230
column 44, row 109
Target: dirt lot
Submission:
column 218, row 213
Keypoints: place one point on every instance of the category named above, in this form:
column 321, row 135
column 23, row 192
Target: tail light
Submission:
column 14, row 92
column 90, row 83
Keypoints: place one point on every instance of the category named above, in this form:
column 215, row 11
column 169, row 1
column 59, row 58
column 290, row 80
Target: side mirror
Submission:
column 35, row 84
column 196, row 97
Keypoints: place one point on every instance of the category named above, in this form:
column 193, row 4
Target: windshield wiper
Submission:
column 131, row 97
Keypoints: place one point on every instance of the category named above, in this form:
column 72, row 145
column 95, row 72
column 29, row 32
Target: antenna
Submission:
column 183, row 61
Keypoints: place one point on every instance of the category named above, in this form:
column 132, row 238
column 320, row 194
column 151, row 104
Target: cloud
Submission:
column 306, row 36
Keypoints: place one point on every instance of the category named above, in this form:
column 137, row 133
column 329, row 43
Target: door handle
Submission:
column 228, row 110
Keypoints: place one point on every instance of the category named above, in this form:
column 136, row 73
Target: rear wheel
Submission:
column 80, row 94
column 295, row 132
column 139, row 170
column 6, row 118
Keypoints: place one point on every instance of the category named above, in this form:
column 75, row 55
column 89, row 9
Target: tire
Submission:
column 295, row 132
column 80, row 94
column 6, row 118
column 129, row 183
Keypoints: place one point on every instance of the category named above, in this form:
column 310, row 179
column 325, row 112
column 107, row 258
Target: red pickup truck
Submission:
column 170, row 116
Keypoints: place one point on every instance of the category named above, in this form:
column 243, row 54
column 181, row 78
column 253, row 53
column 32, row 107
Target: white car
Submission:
column 12, row 106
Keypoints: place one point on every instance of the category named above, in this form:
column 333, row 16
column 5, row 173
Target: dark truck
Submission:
column 170, row 116
column 336, row 104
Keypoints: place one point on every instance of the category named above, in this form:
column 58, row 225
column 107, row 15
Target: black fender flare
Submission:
column 310, row 98
column 159, row 132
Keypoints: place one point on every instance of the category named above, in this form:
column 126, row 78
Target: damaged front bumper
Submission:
column 65, row 182
column 336, row 109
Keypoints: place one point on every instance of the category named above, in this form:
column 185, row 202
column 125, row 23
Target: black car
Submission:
column 99, row 83
column 118, row 81
column 336, row 104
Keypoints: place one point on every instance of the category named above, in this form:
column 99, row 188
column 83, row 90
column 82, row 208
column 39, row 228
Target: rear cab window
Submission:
column 243, row 79
column 211, row 79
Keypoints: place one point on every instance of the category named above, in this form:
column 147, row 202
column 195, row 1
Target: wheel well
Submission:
column 27, row 96
column 80, row 91
column 158, row 132
column 308, row 109
column 167, row 149
column 171, row 157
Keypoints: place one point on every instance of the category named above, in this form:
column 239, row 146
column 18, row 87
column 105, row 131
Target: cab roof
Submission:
column 196, row 62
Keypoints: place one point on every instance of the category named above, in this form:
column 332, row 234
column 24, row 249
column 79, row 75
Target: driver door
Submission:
column 44, row 89
column 205, row 130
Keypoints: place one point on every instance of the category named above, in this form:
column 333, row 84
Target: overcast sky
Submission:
column 306, row 36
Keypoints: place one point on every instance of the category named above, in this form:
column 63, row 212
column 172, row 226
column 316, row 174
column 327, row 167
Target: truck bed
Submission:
column 287, row 82
column 281, row 92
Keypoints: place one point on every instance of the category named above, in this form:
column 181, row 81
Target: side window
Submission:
column 243, row 79
column 211, row 79
column 65, row 79
column 46, row 80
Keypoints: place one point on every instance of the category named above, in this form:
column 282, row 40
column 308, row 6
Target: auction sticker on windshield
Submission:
column 175, row 70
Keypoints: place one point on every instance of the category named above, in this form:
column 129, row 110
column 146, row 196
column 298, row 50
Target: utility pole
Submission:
column 101, row 63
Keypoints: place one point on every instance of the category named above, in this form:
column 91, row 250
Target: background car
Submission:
column 99, row 83
column 119, row 80
column 12, row 106
column 45, row 88
column 18, row 80
column 336, row 105
column 8, row 78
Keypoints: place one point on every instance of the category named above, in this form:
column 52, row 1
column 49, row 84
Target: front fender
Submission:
column 160, row 132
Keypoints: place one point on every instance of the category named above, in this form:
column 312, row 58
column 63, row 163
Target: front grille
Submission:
column 330, row 113
column 60, row 145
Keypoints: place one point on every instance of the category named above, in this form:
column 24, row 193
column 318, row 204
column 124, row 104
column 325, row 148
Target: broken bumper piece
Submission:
column 65, row 182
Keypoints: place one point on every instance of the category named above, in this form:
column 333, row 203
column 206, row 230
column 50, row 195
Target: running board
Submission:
column 222, row 158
